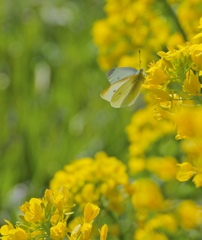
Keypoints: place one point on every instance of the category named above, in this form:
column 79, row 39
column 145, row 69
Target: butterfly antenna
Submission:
column 139, row 60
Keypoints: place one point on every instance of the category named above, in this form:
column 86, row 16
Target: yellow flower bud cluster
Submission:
column 149, row 26
column 47, row 218
column 90, row 180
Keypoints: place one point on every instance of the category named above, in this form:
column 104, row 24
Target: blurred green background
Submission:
column 51, row 111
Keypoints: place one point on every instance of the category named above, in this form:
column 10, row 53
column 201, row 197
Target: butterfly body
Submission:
column 125, row 86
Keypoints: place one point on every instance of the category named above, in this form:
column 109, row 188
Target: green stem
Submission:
column 175, row 19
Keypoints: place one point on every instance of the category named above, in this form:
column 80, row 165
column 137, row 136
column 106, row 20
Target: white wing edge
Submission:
column 116, row 74
column 108, row 93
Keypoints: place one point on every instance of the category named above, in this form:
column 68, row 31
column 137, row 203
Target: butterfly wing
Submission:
column 128, row 92
column 116, row 74
column 108, row 93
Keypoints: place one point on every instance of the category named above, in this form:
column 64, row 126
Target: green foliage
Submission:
column 51, row 112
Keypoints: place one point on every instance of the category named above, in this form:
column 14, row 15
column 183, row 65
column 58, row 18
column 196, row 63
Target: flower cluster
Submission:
column 143, row 199
column 190, row 131
column 94, row 180
column 148, row 25
column 180, row 223
column 174, row 80
column 144, row 132
column 147, row 203
column 174, row 83
column 160, row 208
column 47, row 218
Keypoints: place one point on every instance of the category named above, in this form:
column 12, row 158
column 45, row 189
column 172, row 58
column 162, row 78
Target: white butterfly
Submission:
column 125, row 86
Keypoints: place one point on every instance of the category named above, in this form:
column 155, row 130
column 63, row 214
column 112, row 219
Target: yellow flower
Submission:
column 156, row 76
column 76, row 232
column 90, row 179
column 196, row 55
column 86, row 230
column 192, row 148
column 191, row 11
column 10, row 233
column 83, row 230
column 53, row 222
column 126, row 20
column 190, row 214
column 198, row 180
column 200, row 21
column 89, row 191
column 160, row 114
column 142, row 197
column 62, row 200
column 144, row 234
column 162, row 97
column 58, row 232
column 165, row 168
column 4, row 230
column 33, row 211
column 90, row 212
column 144, row 130
column 191, row 84
column 102, row 32
column 186, row 171
column 199, row 34
column 188, row 122
column 162, row 221
column 130, row 60
column 174, row 79
column 103, row 232
column 136, row 165
column 55, row 218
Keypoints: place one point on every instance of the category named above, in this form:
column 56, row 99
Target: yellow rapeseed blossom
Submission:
column 165, row 167
column 196, row 56
column 8, row 232
column 189, row 214
column 86, row 229
column 90, row 212
column 144, row 130
column 159, row 223
column 52, row 224
column 89, row 180
column 191, row 11
column 188, row 122
column 76, row 232
column 141, row 197
column 180, row 86
column 174, row 80
column 58, row 231
column 144, row 234
column 103, row 232
column 163, row 221
column 198, row 178
column 139, row 201
column 131, row 25
column 136, row 164
column 186, row 171
column 62, row 200
column 83, row 230
column 33, row 211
